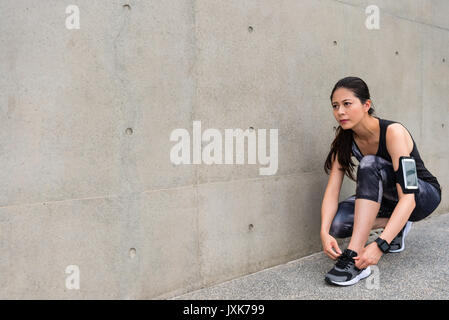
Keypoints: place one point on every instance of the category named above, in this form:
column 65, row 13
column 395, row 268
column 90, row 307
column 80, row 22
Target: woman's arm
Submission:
column 329, row 204
column 398, row 144
column 329, row 208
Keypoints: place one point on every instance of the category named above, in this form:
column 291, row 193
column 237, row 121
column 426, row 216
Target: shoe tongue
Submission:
column 350, row 253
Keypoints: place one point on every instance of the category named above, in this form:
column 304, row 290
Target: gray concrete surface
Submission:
column 78, row 187
column 419, row 272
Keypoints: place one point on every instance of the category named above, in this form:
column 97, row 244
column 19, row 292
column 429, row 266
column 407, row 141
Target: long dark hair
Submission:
column 342, row 144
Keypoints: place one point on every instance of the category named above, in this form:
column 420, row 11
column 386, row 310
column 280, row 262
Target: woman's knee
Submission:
column 339, row 229
column 368, row 161
column 369, row 178
column 427, row 201
column 341, row 226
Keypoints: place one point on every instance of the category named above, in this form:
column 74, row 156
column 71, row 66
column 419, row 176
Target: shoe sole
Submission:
column 362, row 275
column 407, row 228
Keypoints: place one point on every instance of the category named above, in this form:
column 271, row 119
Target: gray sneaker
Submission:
column 398, row 243
column 345, row 273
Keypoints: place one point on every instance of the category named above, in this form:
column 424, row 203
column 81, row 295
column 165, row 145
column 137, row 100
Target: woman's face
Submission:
column 346, row 106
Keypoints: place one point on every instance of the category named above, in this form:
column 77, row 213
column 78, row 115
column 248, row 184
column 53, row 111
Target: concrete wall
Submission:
column 78, row 188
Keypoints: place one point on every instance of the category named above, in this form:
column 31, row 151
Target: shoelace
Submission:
column 344, row 261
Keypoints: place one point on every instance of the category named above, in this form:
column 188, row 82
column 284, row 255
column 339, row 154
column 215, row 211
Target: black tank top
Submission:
column 382, row 152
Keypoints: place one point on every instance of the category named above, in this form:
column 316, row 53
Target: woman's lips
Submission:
column 343, row 121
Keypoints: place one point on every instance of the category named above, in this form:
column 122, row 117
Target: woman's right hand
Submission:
column 330, row 246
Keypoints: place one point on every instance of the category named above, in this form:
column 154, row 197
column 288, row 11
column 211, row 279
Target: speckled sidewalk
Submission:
column 421, row 272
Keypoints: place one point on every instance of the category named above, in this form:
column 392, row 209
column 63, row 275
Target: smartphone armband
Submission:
column 406, row 175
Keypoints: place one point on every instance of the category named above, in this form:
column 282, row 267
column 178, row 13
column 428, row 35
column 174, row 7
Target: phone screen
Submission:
column 410, row 175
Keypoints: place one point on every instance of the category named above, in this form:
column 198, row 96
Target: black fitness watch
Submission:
column 383, row 245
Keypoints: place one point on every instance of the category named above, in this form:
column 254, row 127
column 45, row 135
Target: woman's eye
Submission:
column 346, row 103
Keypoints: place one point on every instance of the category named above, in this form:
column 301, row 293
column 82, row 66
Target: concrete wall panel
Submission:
column 276, row 76
column 87, row 115
column 435, row 105
column 254, row 224
column 39, row 242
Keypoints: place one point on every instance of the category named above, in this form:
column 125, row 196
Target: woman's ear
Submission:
column 367, row 105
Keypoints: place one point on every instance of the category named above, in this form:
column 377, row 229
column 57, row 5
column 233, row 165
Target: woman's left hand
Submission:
column 370, row 255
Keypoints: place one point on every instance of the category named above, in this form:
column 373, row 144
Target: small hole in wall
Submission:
column 250, row 227
column 250, row 29
column 127, row 6
column 129, row 131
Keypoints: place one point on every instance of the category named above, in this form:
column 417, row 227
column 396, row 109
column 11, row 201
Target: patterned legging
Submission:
column 375, row 181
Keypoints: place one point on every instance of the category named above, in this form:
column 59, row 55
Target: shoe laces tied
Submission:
column 344, row 261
